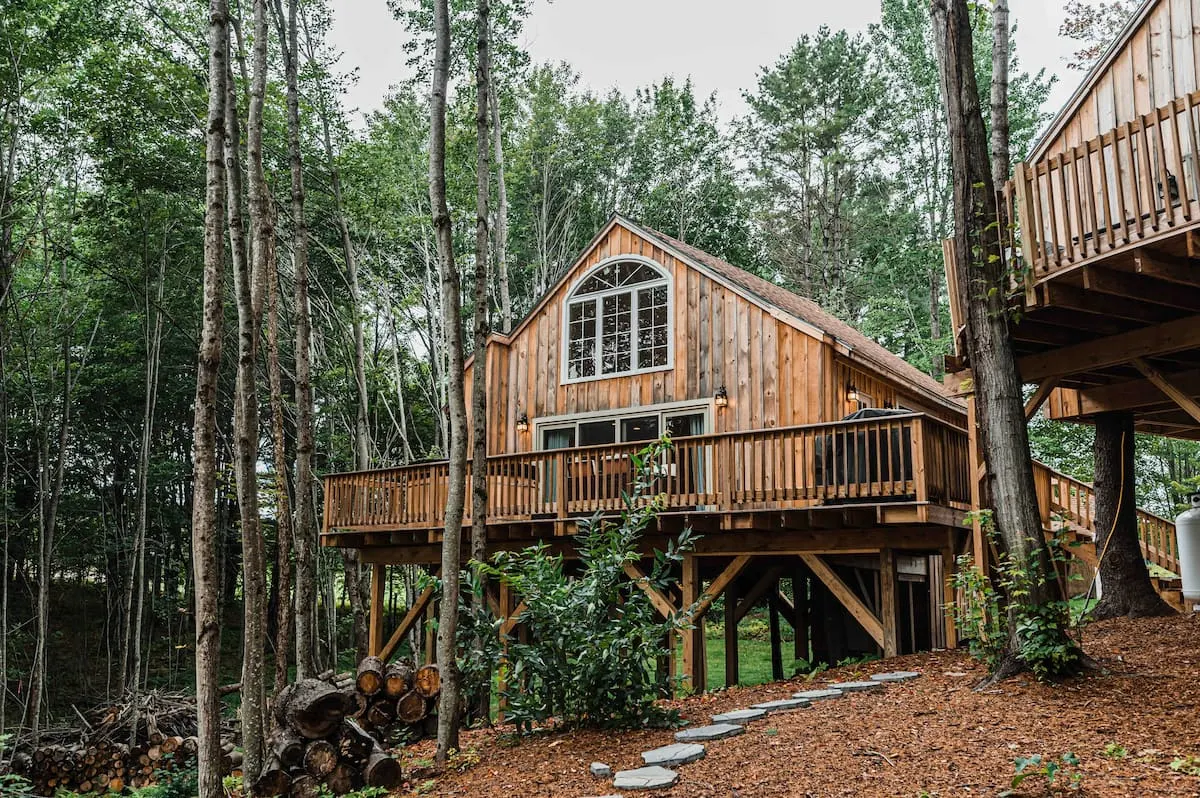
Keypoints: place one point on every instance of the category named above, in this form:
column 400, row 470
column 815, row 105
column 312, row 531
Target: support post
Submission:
column 948, row 567
column 375, row 637
column 731, row 637
column 887, row 595
column 776, row 640
column 801, row 606
column 693, row 639
column 505, row 607
column 977, row 474
column 430, row 634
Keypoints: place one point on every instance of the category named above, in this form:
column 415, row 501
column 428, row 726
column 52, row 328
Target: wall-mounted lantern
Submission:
column 851, row 393
column 523, row 423
column 721, row 398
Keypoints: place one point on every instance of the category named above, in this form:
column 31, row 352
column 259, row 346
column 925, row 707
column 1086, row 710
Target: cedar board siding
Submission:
column 775, row 374
column 1154, row 64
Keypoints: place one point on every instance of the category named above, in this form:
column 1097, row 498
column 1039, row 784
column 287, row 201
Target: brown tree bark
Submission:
column 448, row 708
column 1001, row 417
column 501, row 232
column 204, row 456
column 1001, row 156
column 306, row 532
column 479, row 382
column 1124, row 580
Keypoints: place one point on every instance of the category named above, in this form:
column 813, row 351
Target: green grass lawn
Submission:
column 754, row 661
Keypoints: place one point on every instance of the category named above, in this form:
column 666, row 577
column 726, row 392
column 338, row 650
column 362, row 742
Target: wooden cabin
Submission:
column 646, row 336
column 1106, row 211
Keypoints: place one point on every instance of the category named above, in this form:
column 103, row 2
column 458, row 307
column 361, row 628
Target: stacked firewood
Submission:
column 99, row 757
column 395, row 702
column 331, row 733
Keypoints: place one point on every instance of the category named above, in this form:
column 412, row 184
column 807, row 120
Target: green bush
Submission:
column 595, row 638
column 982, row 615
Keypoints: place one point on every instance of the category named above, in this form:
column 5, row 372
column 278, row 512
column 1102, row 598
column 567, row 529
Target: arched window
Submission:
column 618, row 320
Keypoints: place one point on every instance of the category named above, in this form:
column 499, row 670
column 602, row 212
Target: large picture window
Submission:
column 618, row 321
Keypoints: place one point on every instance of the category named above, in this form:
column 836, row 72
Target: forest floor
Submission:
column 1134, row 727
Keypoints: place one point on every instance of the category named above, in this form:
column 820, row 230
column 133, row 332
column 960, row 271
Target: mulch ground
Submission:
column 934, row 736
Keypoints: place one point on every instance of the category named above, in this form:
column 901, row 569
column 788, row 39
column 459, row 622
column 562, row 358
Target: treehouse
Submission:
column 801, row 450
column 1105, row 215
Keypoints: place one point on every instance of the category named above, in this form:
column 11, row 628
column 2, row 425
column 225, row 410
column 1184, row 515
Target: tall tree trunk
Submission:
column 284, row 536
column 246, row 427
column 479, row 384
column 1000, row 407
column 204, row 444
column 153, row 357
column 448, row 705
column 1001, row 158
column 306, row 531
column 1123, row 575
column 506, row 311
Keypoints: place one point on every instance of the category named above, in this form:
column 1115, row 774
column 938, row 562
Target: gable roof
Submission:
column 1097, row 70
column 801, row 313
column 768, row 294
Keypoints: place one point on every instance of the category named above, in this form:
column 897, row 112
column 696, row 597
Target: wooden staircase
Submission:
column 1068, row 508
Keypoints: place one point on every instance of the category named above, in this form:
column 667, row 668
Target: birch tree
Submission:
column 204, row 446
column 447, row 649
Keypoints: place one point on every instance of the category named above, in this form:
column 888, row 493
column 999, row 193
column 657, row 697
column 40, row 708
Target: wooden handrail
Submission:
column 1129, row 185
column 899, row 458
column 1074, row 501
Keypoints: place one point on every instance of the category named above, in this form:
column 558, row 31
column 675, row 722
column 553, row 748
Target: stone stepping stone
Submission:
column 647, row 778
column 818, row 695
column 675, row 754
column 740, row 716
column 894, row 676
column 856, row 687
column 718, row 731
column 783, row 705
column 600, row 770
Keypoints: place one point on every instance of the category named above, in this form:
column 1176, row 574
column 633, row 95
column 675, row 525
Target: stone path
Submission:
column 657, row 773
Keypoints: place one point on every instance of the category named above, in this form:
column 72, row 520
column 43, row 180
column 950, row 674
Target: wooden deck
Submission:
column 1133, row 186
column 910, row 461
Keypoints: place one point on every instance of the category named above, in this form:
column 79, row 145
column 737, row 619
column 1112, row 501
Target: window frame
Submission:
column 667, row 280
column 662, row 410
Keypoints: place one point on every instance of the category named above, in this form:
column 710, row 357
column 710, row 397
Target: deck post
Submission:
column 800, row 603
column 431, row 610
column 693, row 639
column 375, row 637
column 505, row 606
column 887, row 595
column 948, row 567
column 977, row 473
column 776, row 639
column 731, row 638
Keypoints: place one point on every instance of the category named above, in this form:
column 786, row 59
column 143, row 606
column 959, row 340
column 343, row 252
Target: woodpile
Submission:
column 332, row 732
column 100, row 758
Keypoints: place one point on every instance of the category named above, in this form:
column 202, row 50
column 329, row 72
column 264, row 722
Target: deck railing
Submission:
column 1074, row 502
column 908, row 458
column 1132, row 184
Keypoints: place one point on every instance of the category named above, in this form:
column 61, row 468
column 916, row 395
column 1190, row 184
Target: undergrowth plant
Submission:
column 984, row 612
column 1054, row 771
column 594, row 636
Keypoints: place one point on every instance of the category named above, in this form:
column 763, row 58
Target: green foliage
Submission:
column 986, row 612
column 1115, row 751
column 12, row 785
column 365, row 792
column 595, row 636
column 1187, row 765
column 1050, row 769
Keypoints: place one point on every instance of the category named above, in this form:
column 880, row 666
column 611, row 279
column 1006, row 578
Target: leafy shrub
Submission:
column 595, row 637
column 982, row 615
column 1047, row 768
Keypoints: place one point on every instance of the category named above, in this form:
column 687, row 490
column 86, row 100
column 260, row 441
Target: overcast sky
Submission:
column 721, row 44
